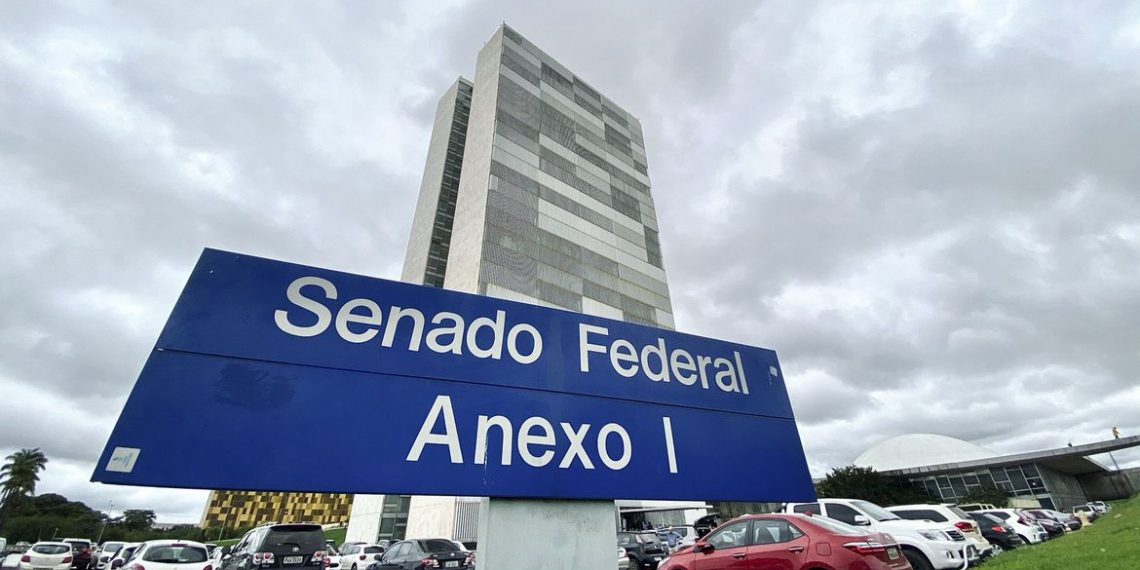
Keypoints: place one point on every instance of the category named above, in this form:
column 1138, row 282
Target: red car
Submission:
column 789, row 542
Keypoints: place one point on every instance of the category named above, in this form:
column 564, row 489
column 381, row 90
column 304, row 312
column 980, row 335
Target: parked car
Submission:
column 1067, row 519
column 1100, row 506
column 1051, row 526
column 926, row 545
column 999, row 534
column 106, row 551
column 947, row 513
column 1025, row 526
column 1090, row 513
column 124, row 554
column 48, row 556
column 332, row 556
column 788, row 542
column 644, row 549
column 705, row 524
column 81, row 553
column 298, row 546
column 420, row 554
column 623, row 560
column 359, row 556
column 970, row 507
column 171, row 555
column 217, row 557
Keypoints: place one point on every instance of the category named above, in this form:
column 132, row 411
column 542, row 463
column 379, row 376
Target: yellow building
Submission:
column 236, row 509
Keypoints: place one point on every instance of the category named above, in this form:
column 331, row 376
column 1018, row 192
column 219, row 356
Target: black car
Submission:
column 300, row 546
column 1051, row 526
column 644, row 549
column 425, row 553
column 996, row 531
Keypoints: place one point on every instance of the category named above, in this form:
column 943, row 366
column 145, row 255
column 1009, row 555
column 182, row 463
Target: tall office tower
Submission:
column 536, row 189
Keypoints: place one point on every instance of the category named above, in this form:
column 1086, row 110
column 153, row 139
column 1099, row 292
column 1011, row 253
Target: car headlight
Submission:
column 932, row 534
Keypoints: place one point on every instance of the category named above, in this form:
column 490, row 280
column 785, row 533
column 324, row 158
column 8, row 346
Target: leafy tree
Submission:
column 35, row 518
column 137, row 519
column 853, row 482
column 987, row 494
column 18, row 478
column 21, row 473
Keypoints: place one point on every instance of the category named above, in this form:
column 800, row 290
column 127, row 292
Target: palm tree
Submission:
column 18, row 477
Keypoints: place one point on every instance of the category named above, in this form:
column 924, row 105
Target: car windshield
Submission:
column 373, row 549
column 51, row 548
column 875, row 511
column 836, row 526
column 175, row 554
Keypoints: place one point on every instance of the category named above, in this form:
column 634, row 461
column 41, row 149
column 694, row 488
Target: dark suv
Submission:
column 644, row 549
column 425, row 553
column 288, row 546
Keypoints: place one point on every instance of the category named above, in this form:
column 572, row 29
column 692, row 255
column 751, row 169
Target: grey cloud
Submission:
column 930, row 215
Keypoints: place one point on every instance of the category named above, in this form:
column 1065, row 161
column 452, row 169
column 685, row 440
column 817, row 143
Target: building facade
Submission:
column 536, row 189
column 949, row 470
column 239, row 509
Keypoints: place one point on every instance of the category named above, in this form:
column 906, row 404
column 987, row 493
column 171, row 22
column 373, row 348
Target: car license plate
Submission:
column 293, row 559
column 893, row 553
column 656, row 558
column 451, row 564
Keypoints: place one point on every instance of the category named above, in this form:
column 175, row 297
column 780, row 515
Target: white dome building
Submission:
column 950, row 469
column 920, row 449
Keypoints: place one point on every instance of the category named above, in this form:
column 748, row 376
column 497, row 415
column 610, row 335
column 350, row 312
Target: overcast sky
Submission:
column 930, row 210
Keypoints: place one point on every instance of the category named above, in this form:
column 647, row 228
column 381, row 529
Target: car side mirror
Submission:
column 862, row 520
column 117, row 563
column 378, row 557
column 704, row 547
column 227, row 550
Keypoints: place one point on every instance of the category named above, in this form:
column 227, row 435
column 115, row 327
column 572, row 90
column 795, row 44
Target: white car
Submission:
column 947, row 513
column 1025, row 527
column 120, row 558
column 102, row 556
column 1100, row 506
column 686, row 535
column 359, row 556
column 925, row 544
column 172, row 555
column 47, row 556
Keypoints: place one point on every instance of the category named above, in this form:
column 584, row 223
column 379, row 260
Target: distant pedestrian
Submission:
column 1115, row 432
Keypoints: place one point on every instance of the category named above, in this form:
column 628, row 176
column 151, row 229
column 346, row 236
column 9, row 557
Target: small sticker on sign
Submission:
column 773, row 372
column 123, row 459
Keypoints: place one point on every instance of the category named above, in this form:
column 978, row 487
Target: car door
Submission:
column 412, row 555
column 348, row 556
column 391, row 559
column 776, row 545
column 730, row 548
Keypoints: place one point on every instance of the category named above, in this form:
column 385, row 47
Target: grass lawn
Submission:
column 1111, row 543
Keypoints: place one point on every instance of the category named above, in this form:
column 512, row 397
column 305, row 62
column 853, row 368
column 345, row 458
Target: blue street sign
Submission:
column 265, row 368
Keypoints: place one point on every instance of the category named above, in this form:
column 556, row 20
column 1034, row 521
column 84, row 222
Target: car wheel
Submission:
column 997, row 549
column 354, row 567
column 1024, row 539
column 917, row 560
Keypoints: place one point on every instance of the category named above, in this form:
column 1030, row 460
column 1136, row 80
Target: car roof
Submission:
column 168, row 542
column 53, row 543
